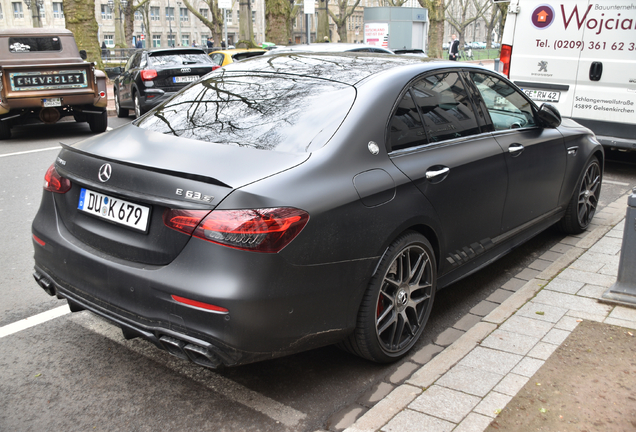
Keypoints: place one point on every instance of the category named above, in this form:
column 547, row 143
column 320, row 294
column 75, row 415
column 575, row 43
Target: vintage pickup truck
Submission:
column 43, row 77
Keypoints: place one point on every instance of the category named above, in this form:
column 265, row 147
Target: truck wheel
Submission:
column 98, row 122
column 121, row 112
column 398, row 301
column 5, row 130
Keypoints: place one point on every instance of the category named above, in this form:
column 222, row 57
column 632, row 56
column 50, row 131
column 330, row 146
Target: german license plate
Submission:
column 114, row 209
column 52, row 102
column 543, row 95
column 185, row 79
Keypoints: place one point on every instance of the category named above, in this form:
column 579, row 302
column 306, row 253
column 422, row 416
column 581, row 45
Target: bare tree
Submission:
column 344, row 12
column 215, row 23
column 436, row 19
column 463, row 14
column 80, row 19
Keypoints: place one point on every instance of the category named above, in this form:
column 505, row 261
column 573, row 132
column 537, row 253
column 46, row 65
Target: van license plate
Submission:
column 52, row 102
column 543, row 95
column 114, row 209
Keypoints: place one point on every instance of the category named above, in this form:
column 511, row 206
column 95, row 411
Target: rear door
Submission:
column 437, row 142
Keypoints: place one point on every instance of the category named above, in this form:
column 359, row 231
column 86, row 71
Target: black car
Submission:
column 153, row 76
column 287, row 202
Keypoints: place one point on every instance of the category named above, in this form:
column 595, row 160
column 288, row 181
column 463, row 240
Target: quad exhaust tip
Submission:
column 187, row 351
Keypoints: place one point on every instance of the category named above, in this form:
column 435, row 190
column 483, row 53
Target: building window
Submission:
column 42, row 12
column 183, row 14
column 106, row 13
column 185, row 40
column 204, row 13
column 58, row 10
column 228, row 15
column 171, row 40
column 138, row 16
column 17, row 10
column 156, row 40
column 238, row 16
column 155, row 14
column 109, row 41
column 169, row 14
column 1, row 14
column 253, row 16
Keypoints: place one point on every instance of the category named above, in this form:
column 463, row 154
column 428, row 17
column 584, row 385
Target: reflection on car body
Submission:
column 343, row 190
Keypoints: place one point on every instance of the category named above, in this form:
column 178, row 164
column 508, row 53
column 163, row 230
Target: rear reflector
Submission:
column 53, row 182
column 38, row 240
column 199, row 304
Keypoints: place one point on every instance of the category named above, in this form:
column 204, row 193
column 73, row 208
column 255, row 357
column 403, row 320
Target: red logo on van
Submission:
column 542, row 16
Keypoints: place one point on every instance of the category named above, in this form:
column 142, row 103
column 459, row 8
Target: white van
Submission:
column 580, row 56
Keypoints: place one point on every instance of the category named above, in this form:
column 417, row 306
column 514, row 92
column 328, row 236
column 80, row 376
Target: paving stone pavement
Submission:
column 474, row 369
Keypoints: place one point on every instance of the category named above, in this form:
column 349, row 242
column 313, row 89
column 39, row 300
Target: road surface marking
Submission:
column 34, row 320
column 30, row 151
column 615, row 183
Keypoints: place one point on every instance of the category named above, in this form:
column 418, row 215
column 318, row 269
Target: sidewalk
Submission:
column 467, row 385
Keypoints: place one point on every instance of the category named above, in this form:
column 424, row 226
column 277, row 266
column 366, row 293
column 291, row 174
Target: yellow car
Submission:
column 224, row 57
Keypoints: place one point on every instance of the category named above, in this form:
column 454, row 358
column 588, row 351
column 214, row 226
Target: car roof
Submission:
column 20, row 31
column 237, row 50
column 348, row 67
column 177, row 50
column 327, row 47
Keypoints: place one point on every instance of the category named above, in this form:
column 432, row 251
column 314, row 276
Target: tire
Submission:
column 396, row 305
column 5, row 130
column 138, row 110
column 582, row 207
column 98, row 122
column 80, row 118
column 121, row 112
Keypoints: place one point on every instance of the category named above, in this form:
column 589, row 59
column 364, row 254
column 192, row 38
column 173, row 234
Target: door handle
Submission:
column 596, row 70
column 515, row 149
column 433, row 173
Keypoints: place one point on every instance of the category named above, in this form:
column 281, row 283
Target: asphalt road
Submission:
column 76, row 372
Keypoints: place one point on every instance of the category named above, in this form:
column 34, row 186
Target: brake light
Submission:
column 266, row 230
column 54, row 182
column 504, row 58
column 148, row 74
column 184, row 221
column 215, row 67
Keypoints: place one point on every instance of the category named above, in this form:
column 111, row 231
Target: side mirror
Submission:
column 549, row 115
column 83, row 54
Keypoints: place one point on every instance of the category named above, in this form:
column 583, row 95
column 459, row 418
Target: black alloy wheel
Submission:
column 121, row 112
column 582, row 206
column 398, row 301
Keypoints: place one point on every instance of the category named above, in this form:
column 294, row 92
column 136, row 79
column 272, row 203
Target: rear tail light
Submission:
column 259, row 230
column 504, row 58
column 54, row 182
column 148, row 75
column 215, row 67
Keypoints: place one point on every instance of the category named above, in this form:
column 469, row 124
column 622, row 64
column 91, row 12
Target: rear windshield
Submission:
column 34, row 44
column 171, row 59
column 263, row 111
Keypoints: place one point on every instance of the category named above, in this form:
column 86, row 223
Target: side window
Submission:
column 129, row 63
column 217, row 59
column 445, row 107
column 406, row 128
column 508, row 109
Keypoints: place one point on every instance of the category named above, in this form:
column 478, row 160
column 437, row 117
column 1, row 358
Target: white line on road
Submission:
column 615, row 183
column 30, row 151
column 26, row 323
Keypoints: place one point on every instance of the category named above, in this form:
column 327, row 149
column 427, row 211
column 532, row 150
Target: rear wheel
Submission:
column 5, row 130
column 98, row 122
column 582, row 206
column 398, row 301
column 121, row 112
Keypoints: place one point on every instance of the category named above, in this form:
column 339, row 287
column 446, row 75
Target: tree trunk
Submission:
column 246, row 28
column 323, row 21
column 436, row 19
column 80, row 19
column 277, row 14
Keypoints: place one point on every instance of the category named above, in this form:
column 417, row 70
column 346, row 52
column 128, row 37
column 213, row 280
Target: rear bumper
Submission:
column 275, row 308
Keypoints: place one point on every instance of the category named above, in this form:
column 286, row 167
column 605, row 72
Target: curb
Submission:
column 399, row 399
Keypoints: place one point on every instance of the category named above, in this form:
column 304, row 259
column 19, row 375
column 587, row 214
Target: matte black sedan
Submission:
column 153, row 76
column 287, row 202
